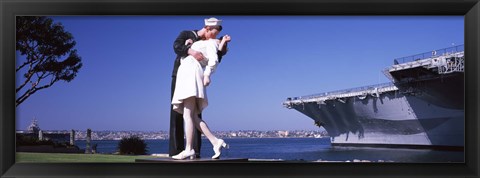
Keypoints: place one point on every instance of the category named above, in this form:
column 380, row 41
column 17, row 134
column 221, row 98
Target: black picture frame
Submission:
column 10, row 8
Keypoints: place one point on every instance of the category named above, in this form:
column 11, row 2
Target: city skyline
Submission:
column 164, row 134
column 128, row 60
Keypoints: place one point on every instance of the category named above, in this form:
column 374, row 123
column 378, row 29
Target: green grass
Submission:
column 22, row 157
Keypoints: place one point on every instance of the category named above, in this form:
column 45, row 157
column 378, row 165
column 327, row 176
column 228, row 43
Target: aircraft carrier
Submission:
column 422, row 106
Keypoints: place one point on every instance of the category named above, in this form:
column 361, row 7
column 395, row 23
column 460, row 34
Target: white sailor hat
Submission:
column 212, row 21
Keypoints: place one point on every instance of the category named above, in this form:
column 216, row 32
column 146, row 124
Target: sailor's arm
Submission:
column 182, row 45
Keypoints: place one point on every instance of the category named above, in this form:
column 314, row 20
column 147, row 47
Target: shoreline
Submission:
column 204, row 138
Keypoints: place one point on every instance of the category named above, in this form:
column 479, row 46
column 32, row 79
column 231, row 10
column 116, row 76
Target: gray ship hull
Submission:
column 390, row 120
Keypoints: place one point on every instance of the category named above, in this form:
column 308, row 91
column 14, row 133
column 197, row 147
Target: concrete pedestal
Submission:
column 202, row 160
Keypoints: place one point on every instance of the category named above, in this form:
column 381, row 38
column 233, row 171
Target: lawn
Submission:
column 23, row 157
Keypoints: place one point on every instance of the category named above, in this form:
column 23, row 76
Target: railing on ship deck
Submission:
column 345, row 91
column 434, row 53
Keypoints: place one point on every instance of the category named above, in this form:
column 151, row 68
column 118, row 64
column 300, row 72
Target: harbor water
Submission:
column 298, row 149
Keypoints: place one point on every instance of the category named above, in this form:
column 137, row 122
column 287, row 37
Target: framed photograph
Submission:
column 373, row 87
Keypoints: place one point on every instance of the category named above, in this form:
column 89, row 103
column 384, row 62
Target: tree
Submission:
column 44, row 44
column 132, row 145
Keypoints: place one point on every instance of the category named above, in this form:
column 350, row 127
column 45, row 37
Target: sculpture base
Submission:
column 202, row 160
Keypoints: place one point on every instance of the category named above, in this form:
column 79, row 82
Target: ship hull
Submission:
column 392, row 119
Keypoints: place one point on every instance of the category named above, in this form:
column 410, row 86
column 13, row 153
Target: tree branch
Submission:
column 29, row 77
column 30, row 72
column 23, row 65
column 28, row 60
column 31, row 91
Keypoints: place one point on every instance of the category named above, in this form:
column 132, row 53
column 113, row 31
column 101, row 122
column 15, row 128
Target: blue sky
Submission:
column 124, row 83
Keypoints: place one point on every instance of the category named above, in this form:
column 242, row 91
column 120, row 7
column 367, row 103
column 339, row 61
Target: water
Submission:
column 298, row 149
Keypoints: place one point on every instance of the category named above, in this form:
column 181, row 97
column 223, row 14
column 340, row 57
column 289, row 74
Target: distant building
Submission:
column 33, row 127
column 282, row 133
column 33, row 130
